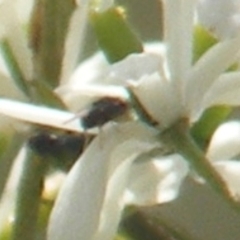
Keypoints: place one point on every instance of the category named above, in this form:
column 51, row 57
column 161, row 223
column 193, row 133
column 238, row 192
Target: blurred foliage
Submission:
column 203, row 129
column 202, row 41
column 114, row 35
column 49, row 25
column 14, row 68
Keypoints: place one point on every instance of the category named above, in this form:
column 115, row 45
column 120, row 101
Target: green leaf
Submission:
column 114, row 35
column 6, row 230
column 14, row 67
column 49, row 25
column 203, row 40
column 207, row 124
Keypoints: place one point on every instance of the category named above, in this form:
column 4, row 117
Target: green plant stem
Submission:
column 179, row 138
column 7, row 159
column 28, row 198
column 48, row 30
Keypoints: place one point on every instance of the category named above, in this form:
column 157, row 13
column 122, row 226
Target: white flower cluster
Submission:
column 170, row 88
column 118, row 167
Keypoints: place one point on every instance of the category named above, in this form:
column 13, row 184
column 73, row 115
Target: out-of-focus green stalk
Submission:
column 49, row 25
column 14, row 67
column 29, row 198
column 204, row 128
column 8, row 156
column 115, row 37
column 37, row 91
column 43, row 94
column 178, row 137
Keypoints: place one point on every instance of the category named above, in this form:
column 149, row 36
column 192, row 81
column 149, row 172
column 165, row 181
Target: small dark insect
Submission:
column 102, row 111
column 45, row 143
column 63, row 149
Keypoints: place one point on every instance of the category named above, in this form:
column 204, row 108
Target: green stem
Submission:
column 7, row 159
column 28, row 199
column 48, row 29
column 179, row 138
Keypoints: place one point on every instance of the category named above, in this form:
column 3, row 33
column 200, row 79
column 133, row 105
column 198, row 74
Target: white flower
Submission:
column 99, row 185
column 163, row 77
column 185, row 90
column 107, row 176
column 170, row 88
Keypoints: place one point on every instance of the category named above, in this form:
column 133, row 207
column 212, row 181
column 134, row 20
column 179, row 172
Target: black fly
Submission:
column 109, row 108
column 62, row 149
column 103, row 111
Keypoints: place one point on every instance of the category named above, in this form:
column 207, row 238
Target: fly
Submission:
column 103, row 111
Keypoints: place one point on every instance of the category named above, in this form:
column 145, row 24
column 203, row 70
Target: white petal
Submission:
column 207, row 70
column 158, row 48
column 12, row 31
column 40, row 115
column 158, row 98
column 225, row 91
column 103, row 5
column 9, row 196
column 24, row 8
column 156, row 181
column 91, row 191
column 97, row 70
column 225, row 142
column 95, row 79
column 221, row 17
column 178, row 22
column 79, row 97
column 75, row 40
column 136, row 66
column 230, row 171
column 89, row 71
column 114, row 202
